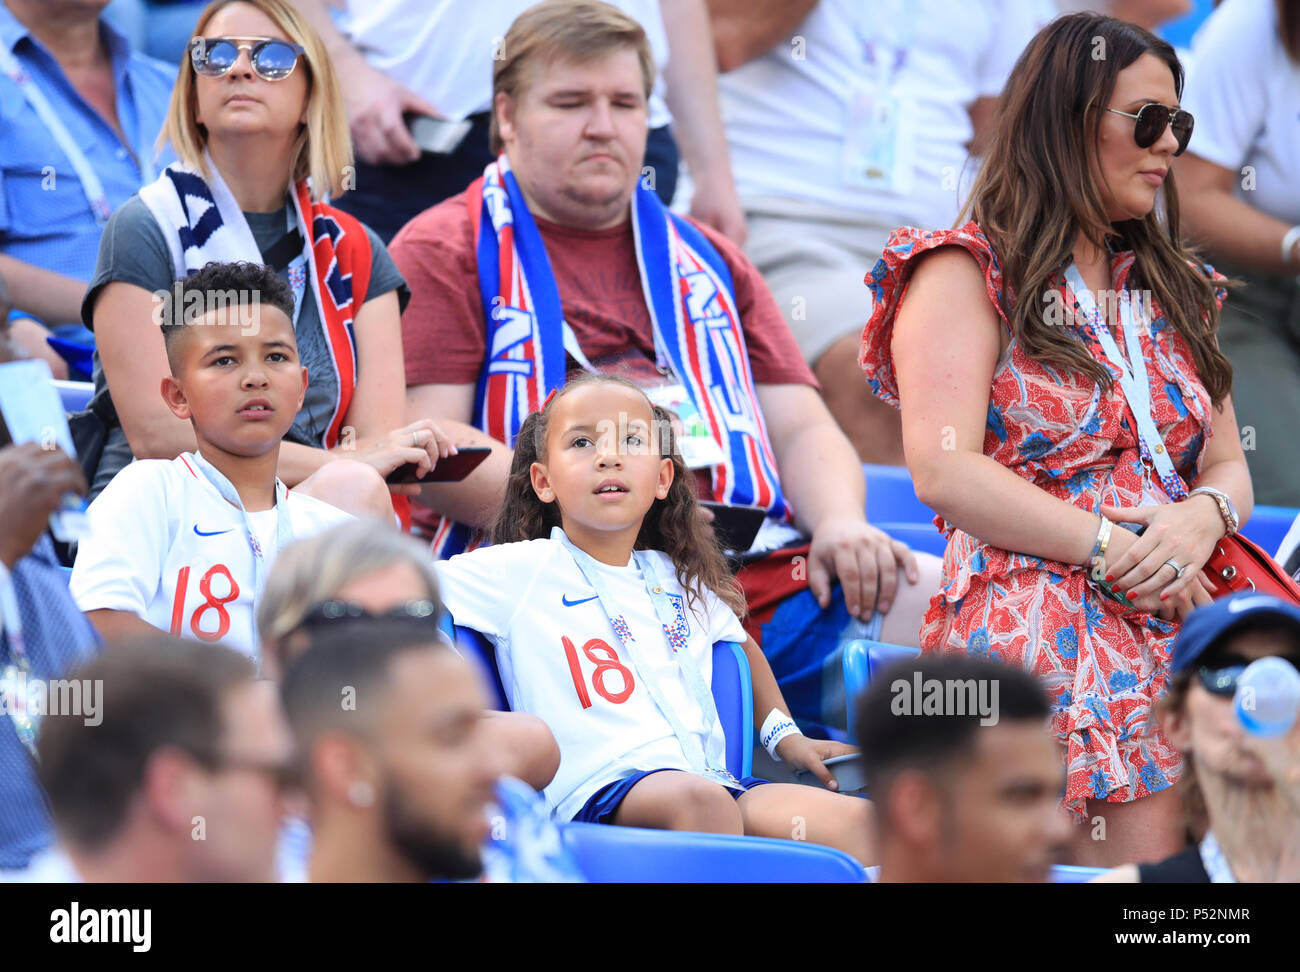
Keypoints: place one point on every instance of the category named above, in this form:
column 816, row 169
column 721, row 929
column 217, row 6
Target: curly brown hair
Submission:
column 672, row 525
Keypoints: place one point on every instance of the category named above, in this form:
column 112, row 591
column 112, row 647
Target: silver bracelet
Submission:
column 1097, row 560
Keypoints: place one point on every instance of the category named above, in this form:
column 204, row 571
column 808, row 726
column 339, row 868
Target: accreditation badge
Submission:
column 722, row 777
column 14, row 699
column 694, row 438
column 880, row 140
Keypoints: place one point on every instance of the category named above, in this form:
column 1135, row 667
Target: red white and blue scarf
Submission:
column 202, row 223
column 697, row 332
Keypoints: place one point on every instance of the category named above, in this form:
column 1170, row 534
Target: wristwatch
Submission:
column 1226, row 509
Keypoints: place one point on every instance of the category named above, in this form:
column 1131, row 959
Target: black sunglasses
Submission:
column 425, row 611
column 283, row 775
column 1221, row 678
column 1151, row 121
column 272, row 60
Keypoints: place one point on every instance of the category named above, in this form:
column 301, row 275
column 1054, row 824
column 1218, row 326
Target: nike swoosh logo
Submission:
column 213, row 533
column 564, row 598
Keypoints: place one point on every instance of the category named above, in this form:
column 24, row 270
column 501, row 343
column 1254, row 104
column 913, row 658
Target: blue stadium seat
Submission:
column 76, row 395
column 733, row 694
column 862, row 661
column 891, row 498
column 893, row 507
column 629, row 854
column 1268, row 525
column 733, row 691
column 474, row 645
column 923, row 537
column 1070, row 874
column 79, row 356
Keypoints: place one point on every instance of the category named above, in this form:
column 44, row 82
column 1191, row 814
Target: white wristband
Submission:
column 776, row 727
column 1288, row 241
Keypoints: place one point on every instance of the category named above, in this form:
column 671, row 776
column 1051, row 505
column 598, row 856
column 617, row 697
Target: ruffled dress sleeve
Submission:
column 888, row 282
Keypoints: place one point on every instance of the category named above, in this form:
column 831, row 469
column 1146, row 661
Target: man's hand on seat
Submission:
column 864, row 559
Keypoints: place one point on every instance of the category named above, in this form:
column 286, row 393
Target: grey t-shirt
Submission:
column 134, row 250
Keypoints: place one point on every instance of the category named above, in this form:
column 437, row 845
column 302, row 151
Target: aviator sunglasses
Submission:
column 1150, row 122
column 272, row 59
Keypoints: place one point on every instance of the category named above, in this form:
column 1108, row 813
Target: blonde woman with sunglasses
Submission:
column 257, row 122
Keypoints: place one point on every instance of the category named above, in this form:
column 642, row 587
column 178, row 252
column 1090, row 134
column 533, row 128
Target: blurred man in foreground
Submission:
column 963, row 772
column 177, row 778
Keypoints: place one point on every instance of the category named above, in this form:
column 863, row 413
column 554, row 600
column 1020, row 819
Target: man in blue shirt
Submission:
column 42, row 634
column 79, row 113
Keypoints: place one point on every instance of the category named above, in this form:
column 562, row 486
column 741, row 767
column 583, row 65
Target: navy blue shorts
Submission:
column 604, row 803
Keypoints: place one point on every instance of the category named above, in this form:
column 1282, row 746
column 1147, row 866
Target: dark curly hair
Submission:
column 671, row 525
column 216, row 286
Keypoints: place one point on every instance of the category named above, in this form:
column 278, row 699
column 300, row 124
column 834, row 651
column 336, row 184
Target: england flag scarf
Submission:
column 697, row 331
column 203, row 223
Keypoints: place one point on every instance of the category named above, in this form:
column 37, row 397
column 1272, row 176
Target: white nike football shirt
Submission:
column 166, row 546
column 560, row 659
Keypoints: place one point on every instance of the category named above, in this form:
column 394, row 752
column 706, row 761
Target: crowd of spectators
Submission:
column 766, row 241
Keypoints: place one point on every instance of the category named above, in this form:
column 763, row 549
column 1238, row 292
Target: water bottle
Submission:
column 1268, row 697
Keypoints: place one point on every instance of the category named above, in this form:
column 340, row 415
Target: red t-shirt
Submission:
column 444, row 335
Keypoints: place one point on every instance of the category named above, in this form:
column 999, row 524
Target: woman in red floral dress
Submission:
column 1021, row 416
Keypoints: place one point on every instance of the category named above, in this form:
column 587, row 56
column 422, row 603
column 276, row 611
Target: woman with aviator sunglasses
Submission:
column 258, row 124
column 1061, row 395
column 1247, row 789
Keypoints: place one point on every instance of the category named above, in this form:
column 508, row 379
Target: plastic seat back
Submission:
column 629, row 854
column 891, row 497
column 75, row 395
column 1268, row 525
column 862, row 661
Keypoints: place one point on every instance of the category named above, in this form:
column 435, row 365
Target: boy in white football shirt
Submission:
column 185, row 544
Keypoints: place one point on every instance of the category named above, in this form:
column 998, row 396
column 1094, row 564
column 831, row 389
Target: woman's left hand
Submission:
column 1184, row 532
column 801, row 753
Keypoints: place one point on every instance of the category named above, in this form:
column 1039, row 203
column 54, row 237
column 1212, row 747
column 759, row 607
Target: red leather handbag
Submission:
column 1238, row 564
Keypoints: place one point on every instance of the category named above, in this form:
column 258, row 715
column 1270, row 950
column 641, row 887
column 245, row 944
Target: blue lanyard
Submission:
column 885, row 61
column 1132, row 373
column 283, row 526
column 86, row 175
column 708, row 764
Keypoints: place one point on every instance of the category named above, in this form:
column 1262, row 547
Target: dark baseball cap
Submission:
column 1210, row 622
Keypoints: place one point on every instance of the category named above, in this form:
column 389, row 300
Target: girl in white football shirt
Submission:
column 603, row 595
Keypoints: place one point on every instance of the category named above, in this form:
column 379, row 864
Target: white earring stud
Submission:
column 361, row 794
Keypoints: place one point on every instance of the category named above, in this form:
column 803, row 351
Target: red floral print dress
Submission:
column 1102, row 663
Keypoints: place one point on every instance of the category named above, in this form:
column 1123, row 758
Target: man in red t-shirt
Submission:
column 569, row 114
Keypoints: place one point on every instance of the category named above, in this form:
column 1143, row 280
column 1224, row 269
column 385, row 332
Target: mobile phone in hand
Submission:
column 452, row 469
column 736, row 526
column 439, row 136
